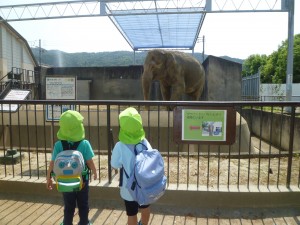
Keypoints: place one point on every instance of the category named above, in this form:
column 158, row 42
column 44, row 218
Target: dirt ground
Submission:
column 201, row 170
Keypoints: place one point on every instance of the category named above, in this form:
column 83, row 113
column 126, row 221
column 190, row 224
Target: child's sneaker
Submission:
column 139, row 223
column 88, row 224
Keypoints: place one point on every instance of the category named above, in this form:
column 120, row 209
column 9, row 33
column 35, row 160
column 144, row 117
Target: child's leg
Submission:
column 145, row 215
column 69, row 207
column 83, row 205
column 132, row 220
column 132, row 209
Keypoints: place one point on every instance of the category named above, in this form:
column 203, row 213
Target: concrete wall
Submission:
column 105, row 83
column 192, row 199
column 276, row 92
column 273, row 128
column 38, row 133
column 223, row 81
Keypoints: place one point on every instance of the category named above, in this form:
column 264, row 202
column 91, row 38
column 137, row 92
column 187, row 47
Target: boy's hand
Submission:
column 95, row 175
column 49, row 184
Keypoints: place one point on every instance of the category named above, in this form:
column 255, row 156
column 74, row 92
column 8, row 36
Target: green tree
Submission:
column 268, row 70
column 296, row 68
column 278, row 62
column 273, row 67
column 252, row 64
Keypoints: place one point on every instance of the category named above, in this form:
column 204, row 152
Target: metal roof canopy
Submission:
column 145, row 24
column 158, row 24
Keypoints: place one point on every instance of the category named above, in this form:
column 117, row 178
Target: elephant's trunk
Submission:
column 146, row 82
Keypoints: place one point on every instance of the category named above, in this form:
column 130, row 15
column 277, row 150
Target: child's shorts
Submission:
column 132, row 207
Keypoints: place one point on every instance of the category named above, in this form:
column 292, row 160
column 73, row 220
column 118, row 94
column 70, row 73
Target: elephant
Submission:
column 178, row 73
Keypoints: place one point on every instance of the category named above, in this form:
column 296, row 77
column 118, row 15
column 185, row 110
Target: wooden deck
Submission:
column 33, row 210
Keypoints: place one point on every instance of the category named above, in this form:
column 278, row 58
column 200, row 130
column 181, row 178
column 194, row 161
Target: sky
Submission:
column 237, row 35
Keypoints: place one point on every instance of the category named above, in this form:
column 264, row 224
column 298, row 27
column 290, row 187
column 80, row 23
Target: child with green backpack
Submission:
column 74, row 188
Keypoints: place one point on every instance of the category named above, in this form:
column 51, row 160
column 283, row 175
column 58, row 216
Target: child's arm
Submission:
column 92, row 167
column 49, row 182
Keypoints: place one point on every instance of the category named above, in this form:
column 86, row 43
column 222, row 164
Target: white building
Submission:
column 14, row 52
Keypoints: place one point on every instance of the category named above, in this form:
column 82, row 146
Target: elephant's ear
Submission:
column 157, row 59
column 170, row 60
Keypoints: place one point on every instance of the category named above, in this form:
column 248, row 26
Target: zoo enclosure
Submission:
column 265, row 152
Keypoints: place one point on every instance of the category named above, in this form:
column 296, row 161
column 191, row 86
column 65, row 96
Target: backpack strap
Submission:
column 123, row 169
column 68, row 146
column 143, row 145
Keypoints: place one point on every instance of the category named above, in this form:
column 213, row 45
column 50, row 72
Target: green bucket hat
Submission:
column 131, row 126
column 71, row 126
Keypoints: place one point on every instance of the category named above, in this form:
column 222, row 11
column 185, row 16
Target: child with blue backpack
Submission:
column 131, row 133
column 72, row 131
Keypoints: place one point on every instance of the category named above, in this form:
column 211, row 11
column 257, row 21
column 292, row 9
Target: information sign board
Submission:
column 59, row 88
column 14, row 94
column 205, row 125
column 53, row 112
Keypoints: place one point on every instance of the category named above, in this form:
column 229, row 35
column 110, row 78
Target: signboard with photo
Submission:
column 204, row 125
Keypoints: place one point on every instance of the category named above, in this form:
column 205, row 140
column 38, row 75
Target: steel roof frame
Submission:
column 171, row 23
column 116, row 9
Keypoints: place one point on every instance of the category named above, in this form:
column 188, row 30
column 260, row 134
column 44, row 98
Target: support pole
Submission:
column 290, row 59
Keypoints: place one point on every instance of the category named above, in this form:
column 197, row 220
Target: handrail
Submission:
column 210, row 165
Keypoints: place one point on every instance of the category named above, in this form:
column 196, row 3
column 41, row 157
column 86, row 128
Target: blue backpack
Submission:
column 147, row 182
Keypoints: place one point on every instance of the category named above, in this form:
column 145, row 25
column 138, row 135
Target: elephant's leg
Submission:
column 165, row 91
column 195, row 95
column 177, row 92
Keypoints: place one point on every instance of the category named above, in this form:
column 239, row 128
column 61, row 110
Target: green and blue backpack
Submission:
column 70, row 170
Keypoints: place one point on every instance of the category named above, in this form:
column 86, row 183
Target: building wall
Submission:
column 14, row 51
column 3, row 49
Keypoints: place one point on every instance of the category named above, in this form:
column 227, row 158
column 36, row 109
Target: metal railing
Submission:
column 265, row 152
column 250, row 87
column 20, row 79
column 278, row 98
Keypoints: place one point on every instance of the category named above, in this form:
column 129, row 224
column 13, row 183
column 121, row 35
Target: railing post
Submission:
column 109, row 144
column 291, row 143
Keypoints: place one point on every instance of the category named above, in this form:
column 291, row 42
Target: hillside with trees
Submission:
column 56, row 58
column 273, row 67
